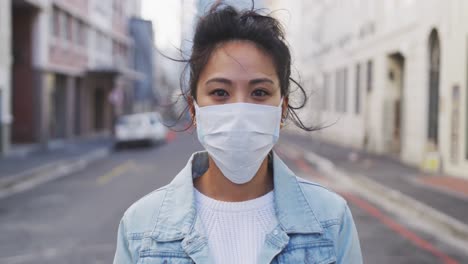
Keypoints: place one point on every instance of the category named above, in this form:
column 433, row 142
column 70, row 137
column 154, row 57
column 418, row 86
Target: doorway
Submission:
column 78, row 107
column 58, row 109
column 393, row 107
column 434, row 76
column 23, row 92
column 2, row 124
column 368, row 108
column 99, row 97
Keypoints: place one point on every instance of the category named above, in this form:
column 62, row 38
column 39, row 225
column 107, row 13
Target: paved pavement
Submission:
column 18, row 163
column 30, row 168
column 76, row 217
column 450, row 197
column 454, row 186
column 385, row 237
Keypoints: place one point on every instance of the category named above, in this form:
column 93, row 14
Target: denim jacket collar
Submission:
column 177, row 218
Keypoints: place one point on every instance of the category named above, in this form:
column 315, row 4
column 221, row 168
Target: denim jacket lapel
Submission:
column 177, row 219
column 292, row 209
column 294, row 214
column 177, row 214
column 195, row 244
column 275, row 242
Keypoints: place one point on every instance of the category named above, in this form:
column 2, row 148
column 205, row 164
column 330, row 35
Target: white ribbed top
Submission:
column 236, row 230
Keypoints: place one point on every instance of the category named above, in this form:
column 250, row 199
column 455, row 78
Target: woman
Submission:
column 238, row 202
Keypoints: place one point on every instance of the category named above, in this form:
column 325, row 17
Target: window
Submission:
column 115, row 48
column 96, row 40
column 103, row 42
column 62, row 18
column 83, row 34
column 344, row 103
column 357, row 97
column 466, row 119
column 341, row 90
column 326, row 92
column 369, row 76
column 55, row 22
column 68, row 26
column 466, row 126
column 104, row 7
column 1, row 114
column 434, row 88
column 338, row 91
column 118, row 8
column 124, row 54
column 52, row 22
column 99, row 40
column 108, row 46
column 76, row 31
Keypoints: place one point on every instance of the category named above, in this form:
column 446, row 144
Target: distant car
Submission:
column 142, row 127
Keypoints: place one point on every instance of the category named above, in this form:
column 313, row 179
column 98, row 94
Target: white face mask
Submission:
column 238, row 136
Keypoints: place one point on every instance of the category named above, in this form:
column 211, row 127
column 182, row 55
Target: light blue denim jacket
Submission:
column 315, row 224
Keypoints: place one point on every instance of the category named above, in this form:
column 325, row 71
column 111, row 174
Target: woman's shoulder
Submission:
column 140, row 215
column 325, row 203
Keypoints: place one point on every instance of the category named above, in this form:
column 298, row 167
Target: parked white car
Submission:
column 142, row 127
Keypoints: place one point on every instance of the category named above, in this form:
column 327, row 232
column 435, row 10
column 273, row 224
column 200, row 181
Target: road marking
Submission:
column 55, row 253
column 384, row 219
column 301, row 164
column 115, row 172
column 45, row 173
column 439, row 188
column 399, row 229
column 171, row 136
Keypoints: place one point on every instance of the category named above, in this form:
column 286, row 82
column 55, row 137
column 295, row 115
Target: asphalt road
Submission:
column 75, row 219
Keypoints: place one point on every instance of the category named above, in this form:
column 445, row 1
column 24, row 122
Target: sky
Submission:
column 166, row 17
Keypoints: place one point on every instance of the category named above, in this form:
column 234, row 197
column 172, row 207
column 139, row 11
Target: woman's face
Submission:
column 238, row 72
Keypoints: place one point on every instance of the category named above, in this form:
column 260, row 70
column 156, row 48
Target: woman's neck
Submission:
column 215, row 185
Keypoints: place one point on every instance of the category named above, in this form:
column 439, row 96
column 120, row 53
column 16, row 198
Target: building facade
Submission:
column 392, row 75
column 145, row 91
column 71, row 67
column 5, row 75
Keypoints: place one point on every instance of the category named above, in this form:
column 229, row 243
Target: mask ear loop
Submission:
column 194, row 120
column 283, row 117
column 193, row 116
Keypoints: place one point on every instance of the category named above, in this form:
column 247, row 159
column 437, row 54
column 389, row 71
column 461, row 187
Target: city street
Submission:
column 74, row 219
column 380, row 85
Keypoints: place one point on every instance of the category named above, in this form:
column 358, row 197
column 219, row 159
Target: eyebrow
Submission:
column 227, row 81
column 261, row 80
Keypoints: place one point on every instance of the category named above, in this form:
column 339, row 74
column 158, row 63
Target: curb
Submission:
column 416, row 213
column 31, row 178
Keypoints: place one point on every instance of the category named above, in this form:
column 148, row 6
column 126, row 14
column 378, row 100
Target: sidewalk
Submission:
column 436, row 205
column 444, row 193
column 35, row 165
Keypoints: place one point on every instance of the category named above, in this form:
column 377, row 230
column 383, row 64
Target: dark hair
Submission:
column 224, row 23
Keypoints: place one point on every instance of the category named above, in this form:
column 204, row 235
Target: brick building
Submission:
column 71, row 66
column 5, row 75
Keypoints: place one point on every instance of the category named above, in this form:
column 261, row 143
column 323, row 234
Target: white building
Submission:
column 393, row 74
column 5, row 75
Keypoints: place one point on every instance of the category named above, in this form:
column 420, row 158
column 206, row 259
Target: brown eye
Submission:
column 219, row 93
column 259, row 93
